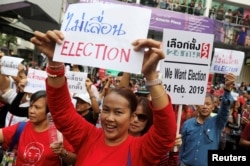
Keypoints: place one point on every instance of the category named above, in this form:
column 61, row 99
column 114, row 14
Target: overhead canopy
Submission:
column 29, row 15
column 15, row 28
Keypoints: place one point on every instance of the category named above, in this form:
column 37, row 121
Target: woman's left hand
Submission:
column 152, row 55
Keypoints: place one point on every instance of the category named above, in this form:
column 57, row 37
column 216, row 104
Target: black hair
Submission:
column 128, row 94
column 120, row 74
column 144, row 102
column 90, row 77
column 211, row 96
column 37, row 95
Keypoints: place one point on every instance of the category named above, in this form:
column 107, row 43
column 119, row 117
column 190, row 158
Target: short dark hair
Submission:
column 120, row 73
column 37, row 95
column 144, row 102
column 128, row 94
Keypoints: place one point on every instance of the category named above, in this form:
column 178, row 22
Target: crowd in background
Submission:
column 97, row 88
column 233, row 20
column 234, row 136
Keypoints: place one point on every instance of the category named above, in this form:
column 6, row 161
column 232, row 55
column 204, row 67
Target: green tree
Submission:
column 8, row 41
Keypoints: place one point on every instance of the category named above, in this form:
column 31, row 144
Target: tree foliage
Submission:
column 7, row 41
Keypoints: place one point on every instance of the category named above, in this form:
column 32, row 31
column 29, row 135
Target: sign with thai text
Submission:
column 100, row 35
column 185, row 69
column 227, row 61
column 9, row 65
column 76, row 81
column 36, row 81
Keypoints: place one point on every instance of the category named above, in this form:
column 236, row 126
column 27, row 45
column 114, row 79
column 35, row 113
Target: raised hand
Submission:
column 46, row 42
column 152, row 55
column 230, row 79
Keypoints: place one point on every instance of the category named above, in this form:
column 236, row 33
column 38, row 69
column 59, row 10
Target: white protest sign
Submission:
column 185, row 69
column 227, row 61
column 100, row 35
column 36, row 81
column 9, row 65
column 76, row 81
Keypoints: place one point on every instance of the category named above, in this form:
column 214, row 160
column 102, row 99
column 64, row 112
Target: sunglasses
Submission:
column 117, row 81
column 141, row 117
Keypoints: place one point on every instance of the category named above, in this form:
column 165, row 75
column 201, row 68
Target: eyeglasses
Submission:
column 117, row 81
column 140, row 117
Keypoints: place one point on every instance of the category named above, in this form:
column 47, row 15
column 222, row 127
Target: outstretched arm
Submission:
column 227, row 100
column 46, row 44
column 161, row 136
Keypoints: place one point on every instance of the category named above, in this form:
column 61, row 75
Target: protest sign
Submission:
column 76, row 81
column 36, row 81
column 101, row 35
column 9, row 65
column 185, row 69
column 227, row 61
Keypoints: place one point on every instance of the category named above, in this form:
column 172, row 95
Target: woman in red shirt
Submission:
column 111, row 145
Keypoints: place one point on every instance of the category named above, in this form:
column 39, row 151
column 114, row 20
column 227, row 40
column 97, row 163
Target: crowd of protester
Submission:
column 124, row 119
column 231, row 134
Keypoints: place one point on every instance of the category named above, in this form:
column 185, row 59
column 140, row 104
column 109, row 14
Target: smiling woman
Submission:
column 111, row 145
column 118, row 106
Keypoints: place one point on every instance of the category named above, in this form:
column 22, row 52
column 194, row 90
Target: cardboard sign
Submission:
column 9, row 65
column 36, row 81
column 185, row 69
column 100, row 35
column 227, row 61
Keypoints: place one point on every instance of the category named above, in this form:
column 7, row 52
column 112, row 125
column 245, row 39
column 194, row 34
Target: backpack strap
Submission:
column 16, row 135
column 129, row 158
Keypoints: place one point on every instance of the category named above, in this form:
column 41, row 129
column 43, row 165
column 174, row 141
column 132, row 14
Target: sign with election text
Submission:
column 227, row 61
column 36, row 81
column 101, row 35
column 9, row 65
column 185, row 69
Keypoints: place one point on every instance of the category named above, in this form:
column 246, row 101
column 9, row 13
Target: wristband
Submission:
column 55, row 73
column 153, row 82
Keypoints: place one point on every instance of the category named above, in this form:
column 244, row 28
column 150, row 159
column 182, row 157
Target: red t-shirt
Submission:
column 245, row 134
column 34, row 147
column 89, row 141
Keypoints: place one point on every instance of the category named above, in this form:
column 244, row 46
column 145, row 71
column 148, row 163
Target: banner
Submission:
column 162, row 18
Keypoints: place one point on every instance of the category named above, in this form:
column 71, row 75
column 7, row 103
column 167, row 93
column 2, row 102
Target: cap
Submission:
column 142, row 91
column 83, row 96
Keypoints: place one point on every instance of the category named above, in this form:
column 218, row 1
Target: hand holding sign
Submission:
column 229, row 81
column 151, row 57
column 46, row 42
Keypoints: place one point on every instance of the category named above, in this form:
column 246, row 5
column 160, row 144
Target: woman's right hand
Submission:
column 46, row 42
